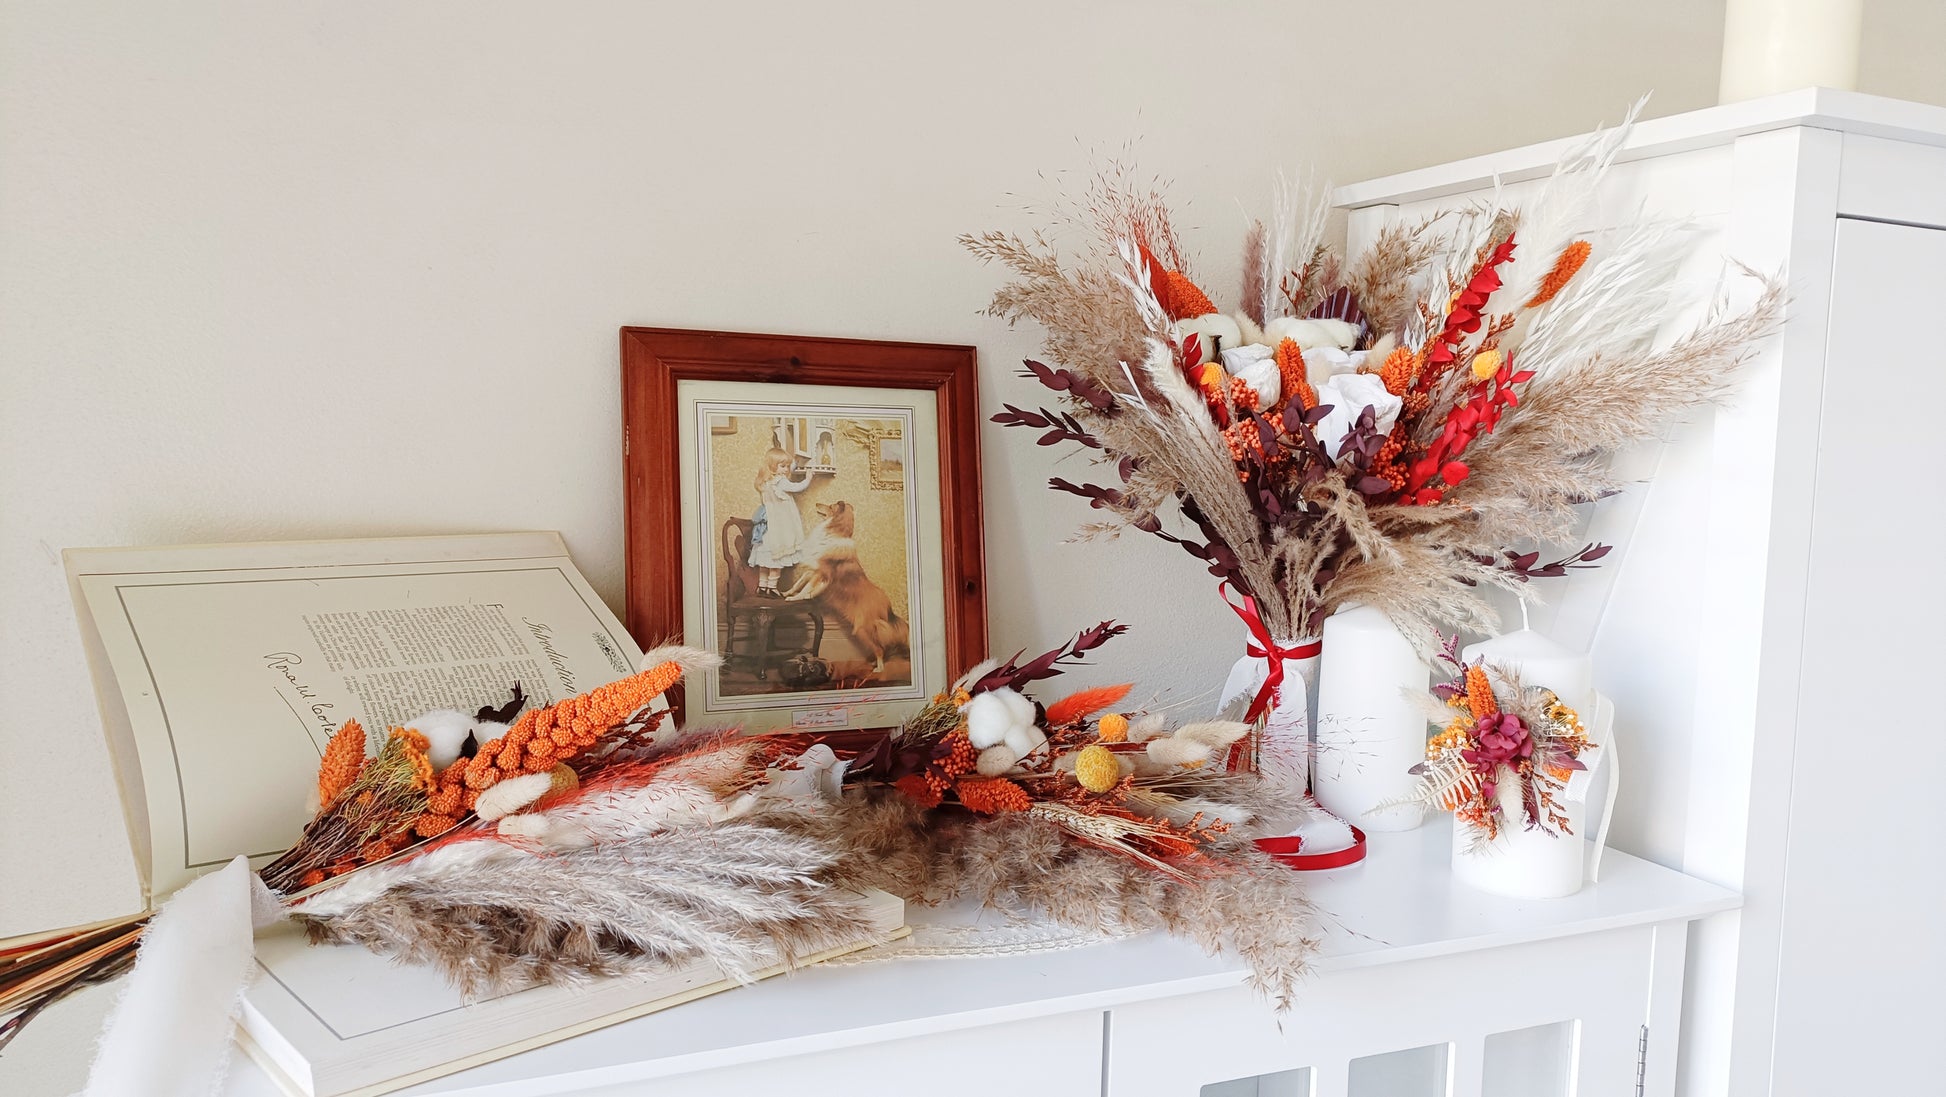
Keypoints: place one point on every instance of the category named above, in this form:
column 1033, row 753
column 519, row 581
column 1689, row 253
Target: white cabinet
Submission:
column 1776, row 606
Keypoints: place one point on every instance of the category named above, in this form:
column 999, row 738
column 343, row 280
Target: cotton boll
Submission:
column 1256, row 365
column 1018, row 706
column 1024, row 739
column 987, row 719
column 1310, row 334
column 1216, row 331
column 996, row 760
column 512, row 794
column 445, row 731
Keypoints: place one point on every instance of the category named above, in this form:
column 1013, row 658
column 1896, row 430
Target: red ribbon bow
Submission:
column 1263, row 646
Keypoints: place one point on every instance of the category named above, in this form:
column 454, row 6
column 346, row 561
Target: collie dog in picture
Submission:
column 836, row 576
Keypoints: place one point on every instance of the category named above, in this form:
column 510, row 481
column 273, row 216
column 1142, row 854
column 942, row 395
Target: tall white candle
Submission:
column 1540, row 662
column 1371, row 728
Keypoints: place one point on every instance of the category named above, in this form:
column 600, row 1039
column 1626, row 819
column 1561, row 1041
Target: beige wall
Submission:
column 356, row 268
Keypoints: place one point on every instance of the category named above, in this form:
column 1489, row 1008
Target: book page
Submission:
column 232, row 666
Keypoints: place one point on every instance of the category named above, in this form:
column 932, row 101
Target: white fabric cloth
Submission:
column 169, row 1035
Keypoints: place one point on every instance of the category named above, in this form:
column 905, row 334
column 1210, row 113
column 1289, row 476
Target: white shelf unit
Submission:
column 1773, row 611
column 1409, row 958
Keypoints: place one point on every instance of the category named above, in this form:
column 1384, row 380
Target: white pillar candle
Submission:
column 1522, row 863
column 1772, row 46
column 1371, row 727
column 1540, row 662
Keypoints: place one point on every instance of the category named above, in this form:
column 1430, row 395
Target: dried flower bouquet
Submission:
column 1503, row 741
column 1402, row 427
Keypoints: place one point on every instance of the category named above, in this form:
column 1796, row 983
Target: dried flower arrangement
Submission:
column 581, row 840
column 1403, row 427
column 1504, row 742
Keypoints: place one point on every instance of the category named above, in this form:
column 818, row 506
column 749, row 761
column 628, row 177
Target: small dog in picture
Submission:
column 836, row 576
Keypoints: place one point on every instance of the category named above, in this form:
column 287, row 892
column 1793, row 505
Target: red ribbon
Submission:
column 1263, row 646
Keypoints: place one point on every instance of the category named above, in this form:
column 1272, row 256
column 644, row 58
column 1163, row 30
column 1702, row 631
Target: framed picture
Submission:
column 809, row 508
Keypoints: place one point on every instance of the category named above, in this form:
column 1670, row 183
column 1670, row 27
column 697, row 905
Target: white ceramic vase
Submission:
column 1371, row 727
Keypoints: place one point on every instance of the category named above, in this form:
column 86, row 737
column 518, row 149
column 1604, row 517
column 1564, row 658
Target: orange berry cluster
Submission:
column 958, row 761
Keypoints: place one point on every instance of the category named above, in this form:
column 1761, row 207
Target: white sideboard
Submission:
column 1410, row 960
column 1773, row 614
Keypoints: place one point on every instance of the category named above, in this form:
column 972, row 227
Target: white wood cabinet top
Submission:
column 1401, row 904
column 1817, row 108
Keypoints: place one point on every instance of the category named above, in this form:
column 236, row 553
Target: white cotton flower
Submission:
column 445, row 731
column 1024, row 739
column 1216, row 333
column 1310, row 334
column 991, row 715
column 987, row 720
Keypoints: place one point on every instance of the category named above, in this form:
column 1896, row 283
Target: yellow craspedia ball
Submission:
column 1486, row 365
column 1113, row 728
column 1095, row 767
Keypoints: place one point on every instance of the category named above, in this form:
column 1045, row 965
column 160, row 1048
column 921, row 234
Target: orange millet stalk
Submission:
column 544, row 737
column 993, row 795
column 344, row 756
column 1290, row 373
column 1565, row 268
column 1479, row 694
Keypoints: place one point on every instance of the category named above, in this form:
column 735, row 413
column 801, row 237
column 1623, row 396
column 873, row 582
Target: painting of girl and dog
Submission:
column 813, row 553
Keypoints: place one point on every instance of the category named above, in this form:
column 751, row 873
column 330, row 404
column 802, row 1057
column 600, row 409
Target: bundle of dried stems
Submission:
column 1407, row 427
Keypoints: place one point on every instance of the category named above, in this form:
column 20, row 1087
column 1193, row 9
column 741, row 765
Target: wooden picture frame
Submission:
column 685, row 395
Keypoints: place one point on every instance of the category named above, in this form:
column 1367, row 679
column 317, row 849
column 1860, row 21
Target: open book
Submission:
column 222, row 673
column 223, row 670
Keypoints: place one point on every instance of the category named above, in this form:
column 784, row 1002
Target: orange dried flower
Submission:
column 1113, row 728
column 993, row 795
column 1399, row 370
column 1243, row 396
column 566, row 727
column 1085, row 703
column 1565, row 267
column 432, row 824
column 919, row 790
column 1290, row 373
column 344, row 756
column 1479, row 694
column 1180, row 297
column 311, row 879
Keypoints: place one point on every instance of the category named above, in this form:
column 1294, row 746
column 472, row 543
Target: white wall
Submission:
column 344, row 269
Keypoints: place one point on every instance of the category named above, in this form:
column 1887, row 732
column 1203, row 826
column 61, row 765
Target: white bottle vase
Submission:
column 1371, row 726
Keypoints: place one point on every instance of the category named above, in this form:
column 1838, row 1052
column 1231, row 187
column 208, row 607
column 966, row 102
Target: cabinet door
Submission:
column 1860, row 960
